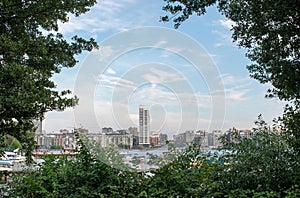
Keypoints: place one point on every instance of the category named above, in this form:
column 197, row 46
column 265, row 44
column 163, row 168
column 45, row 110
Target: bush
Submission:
column 264, row 166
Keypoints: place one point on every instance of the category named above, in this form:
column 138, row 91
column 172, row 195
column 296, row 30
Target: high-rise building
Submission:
column 144, row 126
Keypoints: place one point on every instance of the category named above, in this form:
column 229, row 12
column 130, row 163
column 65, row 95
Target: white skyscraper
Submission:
column 144, row 126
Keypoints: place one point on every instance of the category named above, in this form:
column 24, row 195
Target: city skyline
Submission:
column 131, row 139
column 159, row 77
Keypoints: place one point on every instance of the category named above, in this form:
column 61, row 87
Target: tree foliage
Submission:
column 258, row 167
column 31, row 52
column 11, row 143
column 269, row 30
column 83, row 176
column 289, row 124
column 263, row 166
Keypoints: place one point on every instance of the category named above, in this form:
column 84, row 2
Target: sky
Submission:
column 192, row 78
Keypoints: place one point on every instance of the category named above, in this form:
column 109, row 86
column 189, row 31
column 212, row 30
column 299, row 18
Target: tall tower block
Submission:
column 144, row 126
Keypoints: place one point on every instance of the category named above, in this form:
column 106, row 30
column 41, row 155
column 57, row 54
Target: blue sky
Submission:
column 191, row 78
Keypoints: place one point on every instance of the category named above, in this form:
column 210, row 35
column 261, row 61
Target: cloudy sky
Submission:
column 190, row 78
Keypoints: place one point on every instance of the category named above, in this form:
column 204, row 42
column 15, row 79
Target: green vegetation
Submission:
column 84, row 176
column 269, row 30
column 31, row 52
column 11, row 143
column 267, row 165
column 264, row 166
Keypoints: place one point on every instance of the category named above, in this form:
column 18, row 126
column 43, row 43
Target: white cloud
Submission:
column 227, row 23
column 105, row 53
column 161, row 43
column 162, row 76
column 71, row 26
column 108, row 15
column 101, row 17
column 236, row 87
column 235, row 94
column 111, row 71
column 58, row 120
column 168, row 87
column 113, row 81
column 224, row 38
column 230, row 80
column 223, row 34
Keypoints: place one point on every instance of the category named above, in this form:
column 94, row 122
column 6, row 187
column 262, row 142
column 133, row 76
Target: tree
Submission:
column 269, row 30
column 31, row 52
column 267, row 164
column 11, row 142
column 84, row 176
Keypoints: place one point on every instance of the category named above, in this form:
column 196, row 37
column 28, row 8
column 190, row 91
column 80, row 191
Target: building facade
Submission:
column 135, row 136
column 158, row 139
column 117, row 139
column 144, row 126
column 60, row 140
column 184, row 139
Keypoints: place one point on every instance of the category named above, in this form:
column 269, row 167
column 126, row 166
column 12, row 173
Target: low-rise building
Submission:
column 59, row 140
column 184, row 139
column 117, row 140
column 163, row 139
